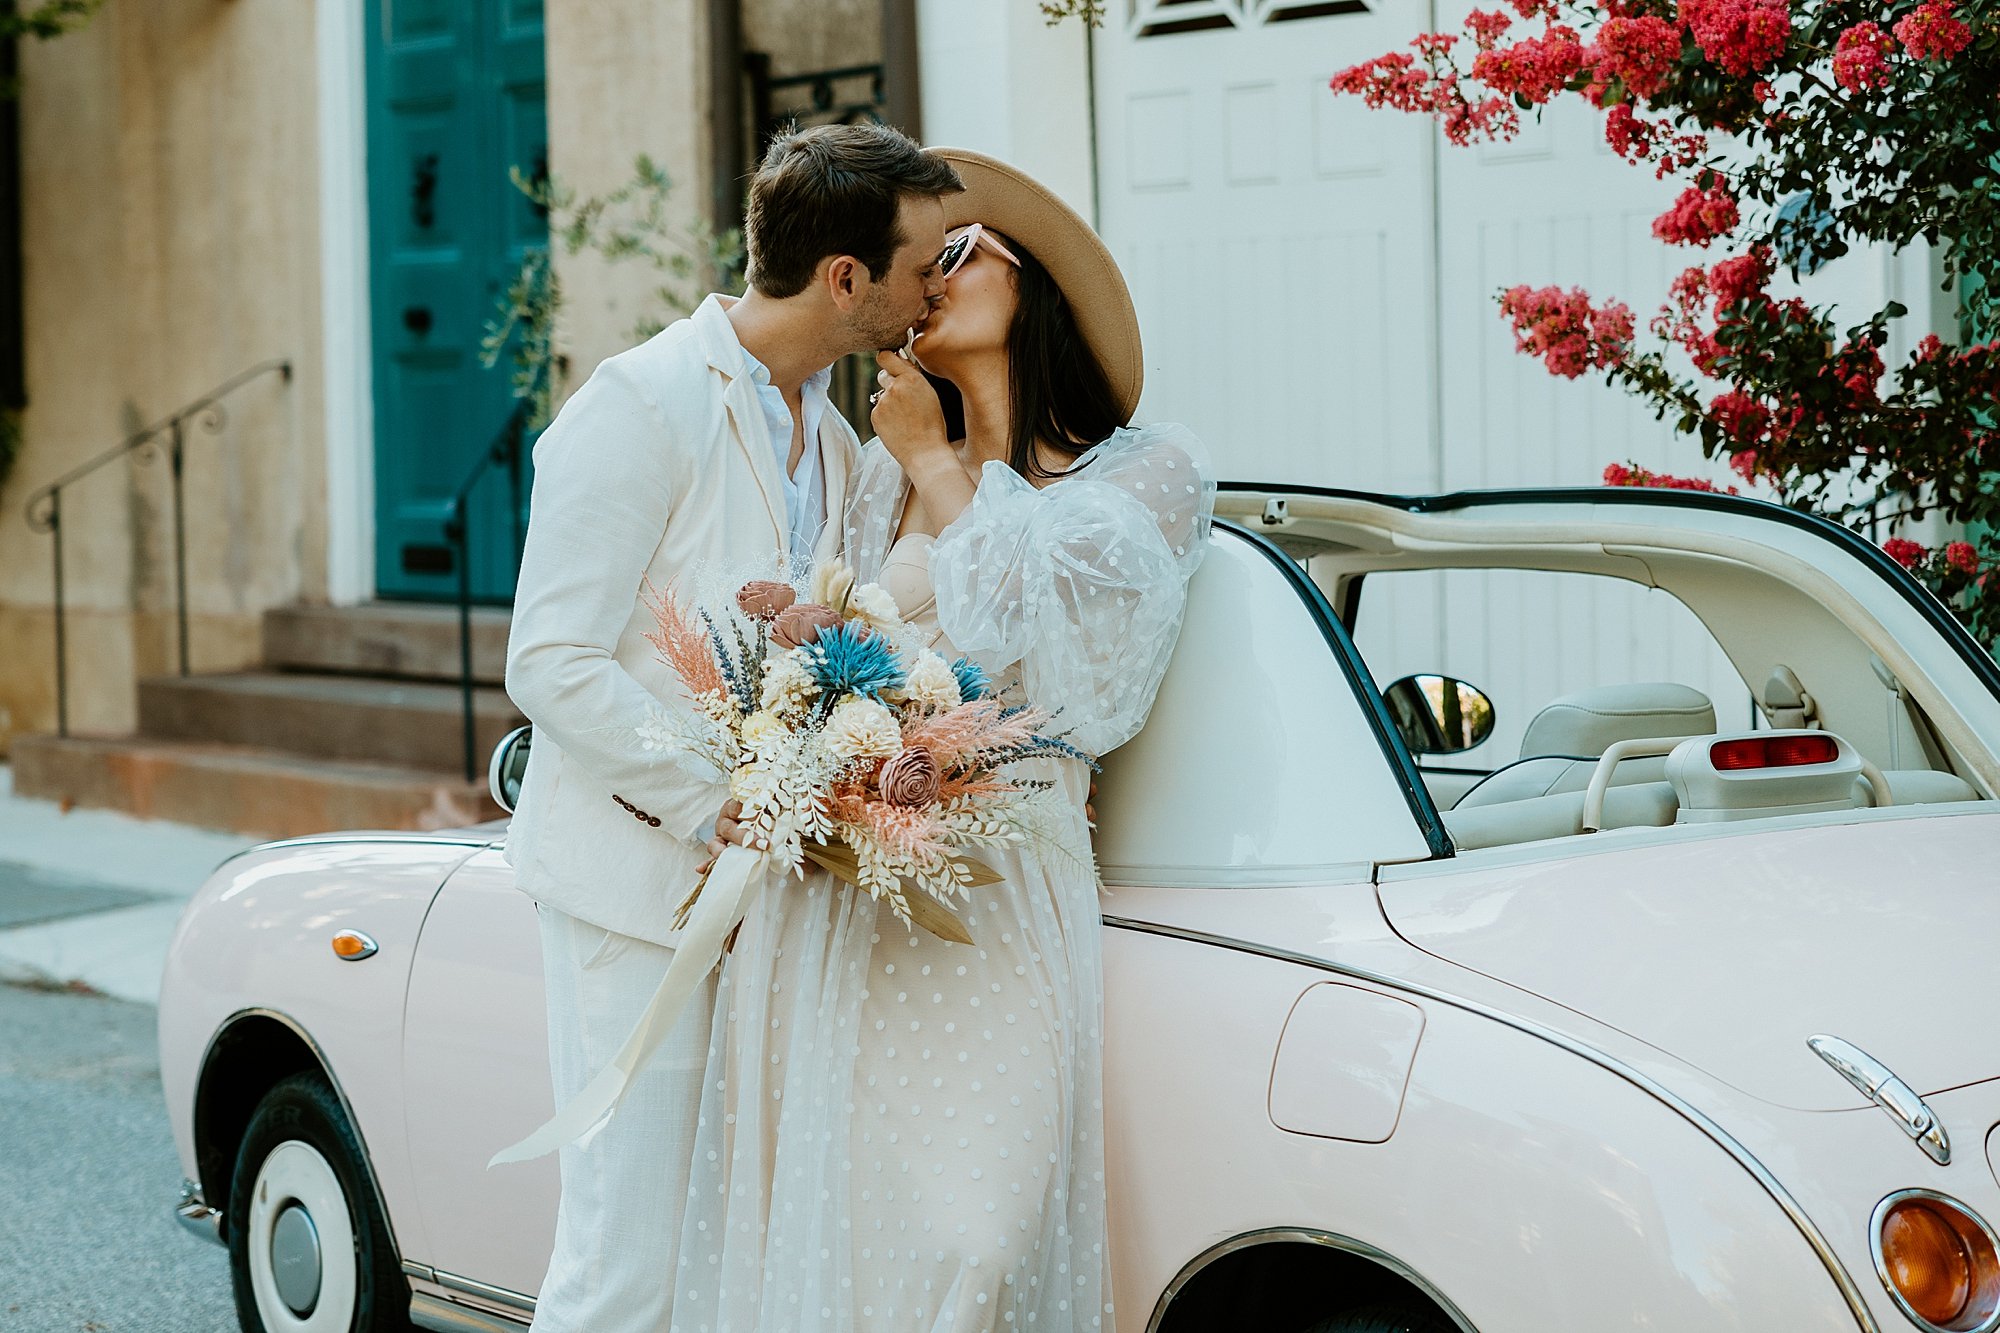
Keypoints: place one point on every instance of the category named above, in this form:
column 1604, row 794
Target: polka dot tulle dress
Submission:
column 898, row 1133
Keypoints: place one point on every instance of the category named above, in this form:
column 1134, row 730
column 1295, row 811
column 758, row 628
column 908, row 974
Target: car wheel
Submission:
column 1396, row 1317
column 309, row 1251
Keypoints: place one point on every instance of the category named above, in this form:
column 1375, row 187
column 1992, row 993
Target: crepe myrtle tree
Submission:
column 1798, row 129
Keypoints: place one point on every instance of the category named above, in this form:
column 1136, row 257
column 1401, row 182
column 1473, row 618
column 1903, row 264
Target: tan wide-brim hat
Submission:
column 1014, row 203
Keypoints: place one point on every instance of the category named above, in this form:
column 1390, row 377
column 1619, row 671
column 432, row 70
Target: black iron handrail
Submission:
column 505, row 450
column 44, row 507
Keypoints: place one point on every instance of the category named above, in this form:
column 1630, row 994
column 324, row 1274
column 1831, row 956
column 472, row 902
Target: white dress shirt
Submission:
column 805, row 496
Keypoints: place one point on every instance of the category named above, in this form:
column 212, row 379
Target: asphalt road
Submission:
column 88, row 1177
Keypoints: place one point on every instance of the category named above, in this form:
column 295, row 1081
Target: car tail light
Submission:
column 1773, row 752
column 1939, row 1260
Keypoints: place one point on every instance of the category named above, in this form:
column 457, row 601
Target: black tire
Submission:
column 1394, row 1317
column 300, row 1141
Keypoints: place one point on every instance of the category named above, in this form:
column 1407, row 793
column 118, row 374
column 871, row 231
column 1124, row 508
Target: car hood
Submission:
column 1728, row 951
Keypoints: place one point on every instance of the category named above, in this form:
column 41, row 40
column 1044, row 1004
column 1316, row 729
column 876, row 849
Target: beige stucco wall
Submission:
column 631, row 76
column 624, row 77
column 806, row 35
column 170, row 241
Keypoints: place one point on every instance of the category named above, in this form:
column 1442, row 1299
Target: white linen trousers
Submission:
column 618, row 1229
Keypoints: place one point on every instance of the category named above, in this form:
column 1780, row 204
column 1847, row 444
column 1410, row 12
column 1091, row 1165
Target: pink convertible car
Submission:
column 1660, row 999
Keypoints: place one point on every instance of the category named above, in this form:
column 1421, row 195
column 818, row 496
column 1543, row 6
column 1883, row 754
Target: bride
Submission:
column 898, row 1132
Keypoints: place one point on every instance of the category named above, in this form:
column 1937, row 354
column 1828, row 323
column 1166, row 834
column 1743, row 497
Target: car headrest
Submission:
column 1588, row 722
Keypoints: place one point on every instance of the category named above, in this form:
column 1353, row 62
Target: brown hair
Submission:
column 834, row 190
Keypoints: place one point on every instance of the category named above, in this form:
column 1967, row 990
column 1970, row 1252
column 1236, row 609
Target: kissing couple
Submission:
column 853, row 1125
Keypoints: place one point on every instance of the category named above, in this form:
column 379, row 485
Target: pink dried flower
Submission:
column 1861, row 58
column 763, row 599
column 911, row 778
column 798, row 625
column 681, row 644
column 1932, row 32
column 1697, row 217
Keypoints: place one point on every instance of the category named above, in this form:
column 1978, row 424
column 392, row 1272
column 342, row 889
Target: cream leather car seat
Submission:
column 1563, row 742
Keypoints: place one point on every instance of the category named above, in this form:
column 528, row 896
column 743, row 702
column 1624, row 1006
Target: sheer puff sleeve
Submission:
column 1083, row 583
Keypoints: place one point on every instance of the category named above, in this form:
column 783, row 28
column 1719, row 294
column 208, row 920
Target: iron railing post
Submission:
column 458, row 532
column 176, row 444
column 44, row 508
column 62, row 646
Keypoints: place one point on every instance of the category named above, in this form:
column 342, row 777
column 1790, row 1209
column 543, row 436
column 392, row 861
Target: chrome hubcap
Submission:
column 295, row 1259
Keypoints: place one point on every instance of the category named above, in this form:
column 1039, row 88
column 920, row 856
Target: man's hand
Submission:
column 728, row 832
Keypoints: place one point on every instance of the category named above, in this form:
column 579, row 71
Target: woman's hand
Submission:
column 907, row 415
column 911, row 423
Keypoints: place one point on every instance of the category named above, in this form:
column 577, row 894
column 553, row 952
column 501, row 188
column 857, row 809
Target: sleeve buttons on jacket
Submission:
column 654, row 820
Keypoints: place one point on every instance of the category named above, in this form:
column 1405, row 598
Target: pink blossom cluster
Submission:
column 1905, row 552
column 1861, row 58
column 1961, row 556
column 1743, row 419
column 1638, row 140
column 1565, row 330
column 1858, row 369
column 1739, row 36
column 1396, row 80
column 1932, row 32
column 1745, row 465
column 1536, row 68
column 1638, row 52
column 1698, row 217
column 1740, row 278
column 1488, row 27
column 1631, row 474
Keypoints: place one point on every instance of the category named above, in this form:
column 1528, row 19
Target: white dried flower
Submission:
column 872, row 602
column 760, row 726
column 862, row 729
column 788, row 686
column 831, row 586
column 655, row 731
column 931, row 683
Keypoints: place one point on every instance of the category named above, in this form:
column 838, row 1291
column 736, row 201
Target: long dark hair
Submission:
column 1060, row 394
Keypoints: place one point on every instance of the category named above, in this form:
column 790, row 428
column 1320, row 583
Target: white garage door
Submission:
column 1316, row 286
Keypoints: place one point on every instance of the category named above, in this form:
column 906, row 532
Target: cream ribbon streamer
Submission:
column 734, row 882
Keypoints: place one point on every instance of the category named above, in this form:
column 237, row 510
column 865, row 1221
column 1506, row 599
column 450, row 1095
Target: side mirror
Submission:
column 1439, row 715
column 508, row 766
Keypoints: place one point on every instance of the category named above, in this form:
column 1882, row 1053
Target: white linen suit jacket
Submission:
column 660, row 463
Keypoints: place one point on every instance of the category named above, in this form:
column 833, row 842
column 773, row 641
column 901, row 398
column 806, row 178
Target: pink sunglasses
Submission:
column 959, row 247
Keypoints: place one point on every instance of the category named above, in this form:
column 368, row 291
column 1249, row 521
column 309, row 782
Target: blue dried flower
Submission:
column 852, row 660
column 972, row 682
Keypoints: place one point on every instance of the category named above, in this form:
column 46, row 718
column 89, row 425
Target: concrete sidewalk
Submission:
column 92, row 896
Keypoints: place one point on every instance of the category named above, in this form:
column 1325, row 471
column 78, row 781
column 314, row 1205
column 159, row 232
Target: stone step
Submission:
column 263, row 793
column 405, row 723
column 407, row 640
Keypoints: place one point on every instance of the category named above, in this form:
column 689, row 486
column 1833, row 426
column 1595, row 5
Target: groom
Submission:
column 711, row 443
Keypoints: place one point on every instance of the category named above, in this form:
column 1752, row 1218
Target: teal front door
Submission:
column 455, row 98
